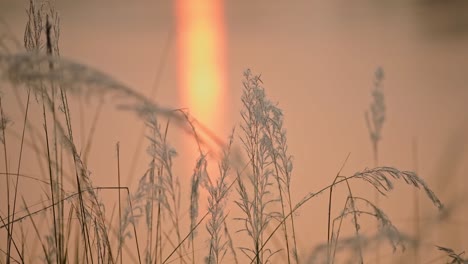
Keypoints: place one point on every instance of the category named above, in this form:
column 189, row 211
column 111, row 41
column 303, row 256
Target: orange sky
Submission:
column 317, row 59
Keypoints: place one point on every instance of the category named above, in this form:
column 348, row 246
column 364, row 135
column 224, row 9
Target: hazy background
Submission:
column 317, row 59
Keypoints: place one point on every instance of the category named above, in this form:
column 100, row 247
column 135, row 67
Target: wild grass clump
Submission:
column 80, row 227
column 217, row 226
column 264, row 141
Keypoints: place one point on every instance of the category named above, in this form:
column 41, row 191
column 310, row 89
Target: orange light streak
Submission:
column 200, row 43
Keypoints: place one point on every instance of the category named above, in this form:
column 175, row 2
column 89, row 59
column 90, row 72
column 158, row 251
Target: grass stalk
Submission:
column 374, row 126
column 9, row 257
column 55, row 184
column 158, row 243
column 3, row 121
column 280, row 192
column 36, row 230
column 19, row 161
column 119, row 250
column 330, row 256
column 416, row 203
column 356, row 225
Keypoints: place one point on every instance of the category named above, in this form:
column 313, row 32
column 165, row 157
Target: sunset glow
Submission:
column 200, row 69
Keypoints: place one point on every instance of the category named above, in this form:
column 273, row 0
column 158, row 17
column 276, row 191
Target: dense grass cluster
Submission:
column 147, row 227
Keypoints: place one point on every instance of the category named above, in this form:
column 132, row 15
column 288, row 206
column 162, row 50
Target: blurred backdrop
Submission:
column 317, row 59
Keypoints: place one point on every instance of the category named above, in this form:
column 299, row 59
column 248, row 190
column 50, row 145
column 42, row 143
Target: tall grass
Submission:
column 374, row 125
column 264, row 141
column 150, row 227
